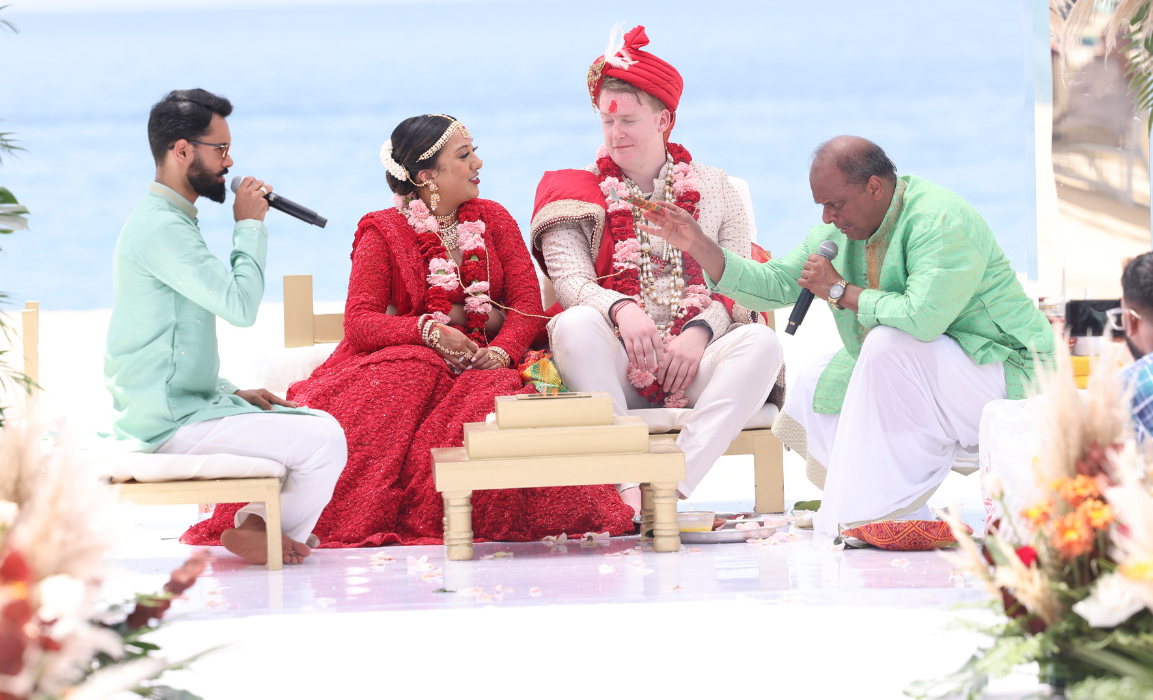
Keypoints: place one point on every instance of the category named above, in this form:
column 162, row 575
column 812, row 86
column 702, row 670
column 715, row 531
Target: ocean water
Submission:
column 941, row 86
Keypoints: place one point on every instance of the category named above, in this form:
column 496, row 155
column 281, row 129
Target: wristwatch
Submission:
column 835, row 294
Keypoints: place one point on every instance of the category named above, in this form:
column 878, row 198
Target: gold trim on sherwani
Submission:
column 564, row 211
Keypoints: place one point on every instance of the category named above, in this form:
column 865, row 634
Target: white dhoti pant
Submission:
column 732, row 383
column 910, row 409
column 311, row 448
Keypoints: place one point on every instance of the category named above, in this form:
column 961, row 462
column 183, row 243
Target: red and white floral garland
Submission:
column 443, row 273
column 619, row 223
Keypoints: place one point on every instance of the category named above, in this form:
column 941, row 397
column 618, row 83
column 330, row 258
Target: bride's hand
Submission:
column 455, row 347
column 483, row 359
column 675, row 225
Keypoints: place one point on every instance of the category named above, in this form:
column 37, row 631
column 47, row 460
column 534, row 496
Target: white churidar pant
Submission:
column 733, row 381
column 910, row 408
column 311, row 448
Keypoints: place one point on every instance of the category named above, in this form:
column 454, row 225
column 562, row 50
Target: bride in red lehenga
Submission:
column 442, row 302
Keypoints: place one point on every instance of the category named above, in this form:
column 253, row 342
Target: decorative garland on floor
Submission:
column 632, row 255
column 444, row 275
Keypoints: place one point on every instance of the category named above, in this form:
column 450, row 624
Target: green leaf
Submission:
column 999, row 557
column 1113, row 663
column 163, row 692
column 807, row 505
column 1109, row 689
column 6, row 196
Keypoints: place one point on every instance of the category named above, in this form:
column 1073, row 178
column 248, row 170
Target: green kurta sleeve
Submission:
column 179, row 258
column 944, row 272
column 762, row 286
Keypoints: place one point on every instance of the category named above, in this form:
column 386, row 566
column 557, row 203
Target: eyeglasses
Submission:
column 222, row 146
column 1114, row 316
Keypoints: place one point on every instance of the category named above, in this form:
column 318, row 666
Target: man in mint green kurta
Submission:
column 934, row 323
column 161, row 363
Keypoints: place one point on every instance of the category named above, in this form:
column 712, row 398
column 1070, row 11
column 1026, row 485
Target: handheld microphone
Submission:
column 827, row 250
column 287, row 206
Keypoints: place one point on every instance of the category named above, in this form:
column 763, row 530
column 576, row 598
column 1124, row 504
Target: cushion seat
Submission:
column 154, row 468
column 667, row 420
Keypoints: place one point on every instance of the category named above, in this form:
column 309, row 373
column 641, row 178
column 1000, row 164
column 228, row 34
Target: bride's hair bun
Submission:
column 411, row 138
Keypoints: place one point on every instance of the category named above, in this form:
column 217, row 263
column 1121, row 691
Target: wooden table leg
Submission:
column 666, row 532
column 458, row 525
column 272, row 530
column 646, row 511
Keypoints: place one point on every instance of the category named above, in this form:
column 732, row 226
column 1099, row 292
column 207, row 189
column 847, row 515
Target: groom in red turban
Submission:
column 634, row 317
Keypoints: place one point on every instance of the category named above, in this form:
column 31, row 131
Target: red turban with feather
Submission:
column 638, row 68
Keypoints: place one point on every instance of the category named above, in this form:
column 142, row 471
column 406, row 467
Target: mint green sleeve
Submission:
column 226, row 387
column 945, row 267
column 762, row 286
column 178, row 257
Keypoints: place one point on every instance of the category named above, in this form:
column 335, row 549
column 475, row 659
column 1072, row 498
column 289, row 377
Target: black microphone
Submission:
column 287, row 206
column 828, row 250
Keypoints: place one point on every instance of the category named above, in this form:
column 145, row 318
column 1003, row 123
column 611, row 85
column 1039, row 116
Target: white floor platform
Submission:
column 578, row 621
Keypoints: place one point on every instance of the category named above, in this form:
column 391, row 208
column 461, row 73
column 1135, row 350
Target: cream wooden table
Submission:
column 567, row 440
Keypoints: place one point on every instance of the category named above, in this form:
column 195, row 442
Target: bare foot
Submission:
column 250, row 543
column 632, row 497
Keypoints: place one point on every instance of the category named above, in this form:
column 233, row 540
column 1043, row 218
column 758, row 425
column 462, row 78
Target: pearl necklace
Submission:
column 647, row 278
column 446, row 226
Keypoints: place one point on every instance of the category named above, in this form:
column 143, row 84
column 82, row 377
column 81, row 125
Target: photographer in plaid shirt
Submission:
column 1135, row 318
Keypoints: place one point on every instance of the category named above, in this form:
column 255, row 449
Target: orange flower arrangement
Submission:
column 1072, row 535
column 1074, row 574
column 1099, row 515
column 1038, row 513
column 1077, row 489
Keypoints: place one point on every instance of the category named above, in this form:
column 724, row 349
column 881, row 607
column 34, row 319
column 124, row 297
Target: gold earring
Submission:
column 434, row 198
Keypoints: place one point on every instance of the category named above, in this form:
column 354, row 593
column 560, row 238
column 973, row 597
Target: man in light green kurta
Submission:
column 934, row 323
column 161, row 362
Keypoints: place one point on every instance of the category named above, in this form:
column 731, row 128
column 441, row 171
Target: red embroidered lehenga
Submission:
column 397, row 399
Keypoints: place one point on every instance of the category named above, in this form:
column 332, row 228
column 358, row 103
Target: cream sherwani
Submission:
column 743, row 359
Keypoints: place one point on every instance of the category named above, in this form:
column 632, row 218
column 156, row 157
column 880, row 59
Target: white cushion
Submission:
column 277, row 369
column 151, row 468
column 666, row 420
column 742, row 188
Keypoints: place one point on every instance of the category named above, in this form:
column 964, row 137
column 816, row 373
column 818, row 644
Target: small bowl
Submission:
column 695, row 521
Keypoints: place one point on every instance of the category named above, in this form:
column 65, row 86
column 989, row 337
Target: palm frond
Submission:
column 8, row 144
column 6, row 23
column 1130, row 19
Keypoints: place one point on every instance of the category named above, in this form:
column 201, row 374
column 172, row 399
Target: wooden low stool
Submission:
column 566, row 440
column 168, row 480
column 159, row 479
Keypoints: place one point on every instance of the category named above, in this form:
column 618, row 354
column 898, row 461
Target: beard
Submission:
column 204, row 183
column 1133, row 349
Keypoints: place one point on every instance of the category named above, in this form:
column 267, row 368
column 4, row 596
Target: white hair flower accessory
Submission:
column 395, row 169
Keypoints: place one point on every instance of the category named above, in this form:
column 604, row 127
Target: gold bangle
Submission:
column 501, row 355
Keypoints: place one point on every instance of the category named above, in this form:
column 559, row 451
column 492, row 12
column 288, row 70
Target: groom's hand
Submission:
column 683, row 358
column 640, row 336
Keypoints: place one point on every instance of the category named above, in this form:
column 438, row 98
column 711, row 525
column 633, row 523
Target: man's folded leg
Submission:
column 733, row 381
column 910, row 406
column 312, row 449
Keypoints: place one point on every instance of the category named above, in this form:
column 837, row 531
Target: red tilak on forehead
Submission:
column 612, row 107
